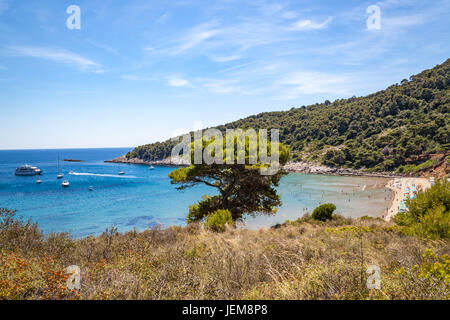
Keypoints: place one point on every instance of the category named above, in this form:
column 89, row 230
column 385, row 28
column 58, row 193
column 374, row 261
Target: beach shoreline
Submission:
column 398, row 186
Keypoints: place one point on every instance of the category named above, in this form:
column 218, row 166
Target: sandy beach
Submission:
column 398, row 186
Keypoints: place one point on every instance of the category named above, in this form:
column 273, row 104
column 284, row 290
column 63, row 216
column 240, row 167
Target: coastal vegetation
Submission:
column 428, row 215
column 324, row 212
column 241, row 185
column 301, row 259
column 398, row 128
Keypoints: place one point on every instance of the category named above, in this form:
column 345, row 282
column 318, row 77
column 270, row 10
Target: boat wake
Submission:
column 102, row 175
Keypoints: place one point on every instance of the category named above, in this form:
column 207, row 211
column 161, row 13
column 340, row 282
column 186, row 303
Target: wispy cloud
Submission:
column 56, row 55
column 105, row 47
column 177, row 81
column 213, row 38
column 221, row 85
column 310, row 25
column 225, row 58
column 195, row 37
column 298, row 83
column 402, row 21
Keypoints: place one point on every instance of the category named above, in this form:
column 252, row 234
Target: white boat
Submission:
column 38, row 181
column 27, row 170
column 36, row 170
column 152, row 167
column 91, row 188
column 65, row 184
column 121, row 173
column 60, row 175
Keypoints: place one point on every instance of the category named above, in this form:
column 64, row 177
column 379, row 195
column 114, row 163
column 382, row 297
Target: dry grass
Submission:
column 297, row 260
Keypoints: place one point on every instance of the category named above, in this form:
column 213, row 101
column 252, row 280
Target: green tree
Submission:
column 324, row 212
column 241, row 188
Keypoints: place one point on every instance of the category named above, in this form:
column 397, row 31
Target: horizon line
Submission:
column 31, row 149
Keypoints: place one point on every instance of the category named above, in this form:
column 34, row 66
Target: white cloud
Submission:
column 198, row 35
column 225, row 58
column 56, row 55
column 177, row 81
column 314, row 83
column 222, row 86
column 310, row 25
column 402, row 21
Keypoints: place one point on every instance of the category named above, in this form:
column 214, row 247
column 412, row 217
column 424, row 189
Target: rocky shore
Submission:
column 312, row 168
column 170, row 161
column 300, row 167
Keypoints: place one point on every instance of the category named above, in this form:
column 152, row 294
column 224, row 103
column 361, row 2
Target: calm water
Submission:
column 143, row 198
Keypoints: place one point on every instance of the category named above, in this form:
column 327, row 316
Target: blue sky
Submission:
column 141, row 71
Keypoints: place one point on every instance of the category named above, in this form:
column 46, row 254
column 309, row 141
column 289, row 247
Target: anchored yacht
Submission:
column 27, row 170
column 59, row 175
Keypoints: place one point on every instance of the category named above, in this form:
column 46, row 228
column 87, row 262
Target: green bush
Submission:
column 217, row 220
column 428, row 214
column 324, row 212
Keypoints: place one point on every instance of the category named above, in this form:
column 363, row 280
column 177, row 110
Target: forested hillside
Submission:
column 393, row 129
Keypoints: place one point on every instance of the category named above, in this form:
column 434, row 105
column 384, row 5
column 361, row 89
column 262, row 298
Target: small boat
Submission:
column 65, row 184
column 152, row 167
column 27, row 170
column 59, row 175
column 71, row 172
column 121, row 172
column 38, row 181
column 91, row 188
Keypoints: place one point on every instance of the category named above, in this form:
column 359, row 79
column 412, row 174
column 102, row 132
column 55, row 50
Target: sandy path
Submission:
column 399, row 188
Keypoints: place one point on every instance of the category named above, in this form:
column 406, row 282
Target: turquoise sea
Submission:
column 143, row 198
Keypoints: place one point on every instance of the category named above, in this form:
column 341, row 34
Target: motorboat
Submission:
column 152, row 167
column 27, row 170
column 65, row 184
column 91, row 188
column 121, row 173
column 38, row 181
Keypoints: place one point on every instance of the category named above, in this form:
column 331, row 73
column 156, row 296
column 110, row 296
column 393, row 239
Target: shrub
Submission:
column 324, row 212
column 429, row 214
column 439, row 194
column 217, row 220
